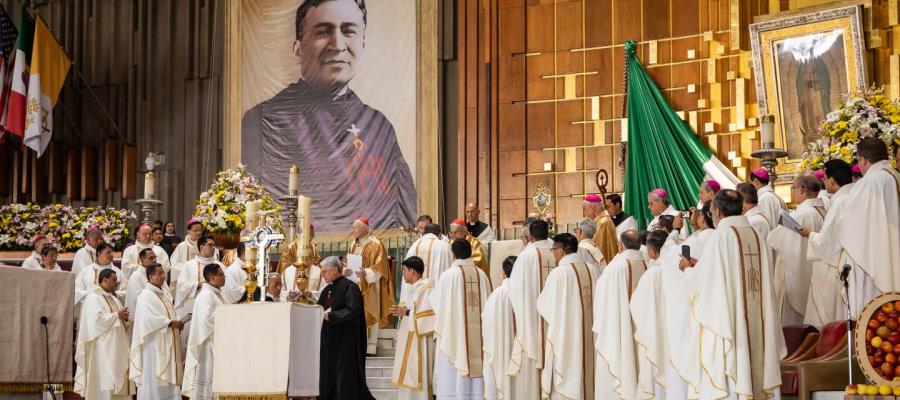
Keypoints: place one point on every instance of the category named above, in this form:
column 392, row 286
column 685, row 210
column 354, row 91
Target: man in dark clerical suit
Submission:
column 349, row 159
column 342, row 368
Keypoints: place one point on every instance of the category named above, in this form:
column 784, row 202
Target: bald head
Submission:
column 458, row 231
column 472, row 213
column 143, row 233
column 631, row 240
column 360, row 229
column 805, row 187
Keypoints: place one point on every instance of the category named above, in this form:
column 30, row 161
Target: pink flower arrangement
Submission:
column 20, row 223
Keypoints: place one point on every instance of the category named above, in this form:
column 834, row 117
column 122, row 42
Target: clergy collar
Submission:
column 203, row 261
column 461, row 263
column 190, row 241
column 542, row 244
column 571, row 259
column 728, row 222
column 101, row 291
column 209, row 287
column 324, row 93
column 155, row 289
column 144, row 245
column 813, row 202
column 630, row 254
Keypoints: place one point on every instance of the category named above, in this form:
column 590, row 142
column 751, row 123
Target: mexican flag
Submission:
column 49, row 67
column 14, row 116
column 663, row 151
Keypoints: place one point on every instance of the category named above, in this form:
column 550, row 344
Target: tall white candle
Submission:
column 149, row 185
column 304, row 204
column 293, row 180
column 252, row 216
column 767, row 131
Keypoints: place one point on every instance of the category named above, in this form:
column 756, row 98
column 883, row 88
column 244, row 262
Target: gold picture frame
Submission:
column 427, row 176
column 804, row 62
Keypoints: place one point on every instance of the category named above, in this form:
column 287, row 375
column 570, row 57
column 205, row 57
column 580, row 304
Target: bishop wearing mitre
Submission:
column 101, row 354
column 498, row 332
column 531, row 269
column 375, row 280
column 198, row 366
column 130, row 261
column 605, row 230
column 458, row 230
column 414, row 359
column 616, row 366
column 156, row 354
column 793, row 269
column 566, row 304
column 457, row 299
column 733, row 305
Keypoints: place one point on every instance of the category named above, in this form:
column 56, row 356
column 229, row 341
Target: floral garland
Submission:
column 222, row 208
column 20, row 223
column 862, row 114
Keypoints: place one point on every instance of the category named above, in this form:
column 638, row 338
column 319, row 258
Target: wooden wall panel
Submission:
column 73, row 173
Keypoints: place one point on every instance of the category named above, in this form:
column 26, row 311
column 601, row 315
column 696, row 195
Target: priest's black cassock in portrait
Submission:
column 350, row 161
column 343, row 350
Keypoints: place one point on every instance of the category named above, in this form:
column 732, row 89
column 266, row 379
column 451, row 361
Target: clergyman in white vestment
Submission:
column 588, row 250
column 414, row 359
column 130, row 259
column 156, row 353
column 198, row 365
column 433, row 251
column 616, row 362
column 499, row 333
column 566, row 304
column 101, row 354
column 87, row 280
column 648, row 311
column 532, row 266
column 186, row 250
column 87, row 255
column 191, row 280
column 769, row 202
column 793, row 269
column 870, row 226
column 457, row 299
column 138, row 280
column 734, row 308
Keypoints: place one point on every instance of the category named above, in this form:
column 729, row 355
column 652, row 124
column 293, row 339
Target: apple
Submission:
column 881, row 316
column 894, row 337
column 883, row 331
column 887, row 307
column 873, row 324
column 891, row 324
column 887, row 348
column 890, row 358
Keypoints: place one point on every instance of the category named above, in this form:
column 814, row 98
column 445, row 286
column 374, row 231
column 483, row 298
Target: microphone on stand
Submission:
column 845, row 275
column 44, row 321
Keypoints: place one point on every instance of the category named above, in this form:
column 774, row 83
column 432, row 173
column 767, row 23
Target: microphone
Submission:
column 845, row 272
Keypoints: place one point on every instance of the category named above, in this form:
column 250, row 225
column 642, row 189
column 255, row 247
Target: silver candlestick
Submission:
column 768, row 154
column 148, row 209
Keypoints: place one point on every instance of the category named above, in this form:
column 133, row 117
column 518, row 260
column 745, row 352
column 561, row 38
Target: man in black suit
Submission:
column 342, row 368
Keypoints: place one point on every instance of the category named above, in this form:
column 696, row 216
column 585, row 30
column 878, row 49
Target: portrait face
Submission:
column 105, row 257
column 332, row 44
column 157, row 236
column 110, row 283
column 194, row 231
column 409, row 275
column 207, row 249
column 217, row 280
column 588, row 210
column 170, row 228
column 472, row 213
column 150, row 258
column 655, row 206
column 705, row 193
column 359, row 229
column 158, row 277
column 143, row 234
column 420, row 226
column 94, row 240
column 50, row 259
column 329, row 274
column 613, row 208
column 459, row 232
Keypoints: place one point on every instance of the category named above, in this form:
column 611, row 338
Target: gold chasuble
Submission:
column 478, row 256
column 289, row 257
column 375, row 257
column 605, row 237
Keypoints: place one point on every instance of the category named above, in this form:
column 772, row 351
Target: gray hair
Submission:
column 655, row 197
column 588, row 227
column 333, row 262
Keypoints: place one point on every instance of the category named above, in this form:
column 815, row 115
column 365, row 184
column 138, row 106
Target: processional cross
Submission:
column 261, row 239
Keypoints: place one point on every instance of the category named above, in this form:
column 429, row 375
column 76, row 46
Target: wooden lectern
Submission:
column 266, row 351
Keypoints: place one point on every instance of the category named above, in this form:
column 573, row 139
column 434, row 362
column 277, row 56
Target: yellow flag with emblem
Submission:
column 49, row 67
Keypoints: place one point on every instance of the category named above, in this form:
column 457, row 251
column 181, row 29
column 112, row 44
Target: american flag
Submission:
column 8, row 35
